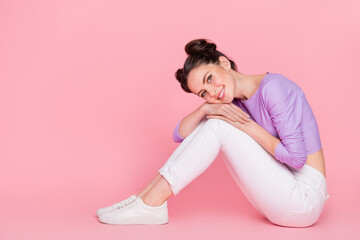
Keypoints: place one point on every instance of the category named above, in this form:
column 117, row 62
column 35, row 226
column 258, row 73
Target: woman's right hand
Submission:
column 228, row 110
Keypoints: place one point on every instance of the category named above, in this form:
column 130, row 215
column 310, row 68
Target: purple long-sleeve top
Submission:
column 279, row 106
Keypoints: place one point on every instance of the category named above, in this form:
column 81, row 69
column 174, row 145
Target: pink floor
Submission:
column 65, row 213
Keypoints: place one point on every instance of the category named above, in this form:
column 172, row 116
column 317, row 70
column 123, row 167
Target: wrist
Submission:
column 203, row 109
column 251, row 127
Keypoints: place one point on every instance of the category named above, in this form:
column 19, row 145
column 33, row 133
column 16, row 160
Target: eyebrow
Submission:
column 203, row 82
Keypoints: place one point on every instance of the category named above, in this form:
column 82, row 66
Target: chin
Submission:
column 229, row 99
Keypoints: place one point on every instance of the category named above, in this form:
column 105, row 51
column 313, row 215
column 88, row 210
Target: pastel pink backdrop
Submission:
column 88, row 103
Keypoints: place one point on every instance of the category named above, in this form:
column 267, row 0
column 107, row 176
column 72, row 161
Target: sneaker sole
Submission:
column 138, row 221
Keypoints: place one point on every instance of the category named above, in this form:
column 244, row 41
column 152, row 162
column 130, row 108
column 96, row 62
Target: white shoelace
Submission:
column 129, row 204
column 125, row 202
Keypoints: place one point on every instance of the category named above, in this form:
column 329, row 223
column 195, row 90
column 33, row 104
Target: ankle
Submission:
column 152, row 202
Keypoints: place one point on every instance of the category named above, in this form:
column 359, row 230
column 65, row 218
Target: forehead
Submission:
column 196, row 76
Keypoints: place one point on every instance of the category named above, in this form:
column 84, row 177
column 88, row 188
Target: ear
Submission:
column 224, row 62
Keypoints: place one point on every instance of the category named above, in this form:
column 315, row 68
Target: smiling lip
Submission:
column 222, row 95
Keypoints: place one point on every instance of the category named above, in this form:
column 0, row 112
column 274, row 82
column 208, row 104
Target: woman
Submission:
column 263, row 125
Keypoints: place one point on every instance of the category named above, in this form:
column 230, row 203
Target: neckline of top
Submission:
column 257, row 90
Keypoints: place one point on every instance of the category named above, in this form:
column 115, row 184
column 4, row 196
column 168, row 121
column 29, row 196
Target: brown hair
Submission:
column 200, row 51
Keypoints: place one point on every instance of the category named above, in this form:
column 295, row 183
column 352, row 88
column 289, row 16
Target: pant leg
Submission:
column 284, row 195
column 192, row 157
column 315, row 191
column 269, row 185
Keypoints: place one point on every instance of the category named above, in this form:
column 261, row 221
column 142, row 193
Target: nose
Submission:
column 213, row 92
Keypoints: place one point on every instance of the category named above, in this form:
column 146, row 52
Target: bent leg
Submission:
column 270, row 186
column 193, row 156
column 159, row 190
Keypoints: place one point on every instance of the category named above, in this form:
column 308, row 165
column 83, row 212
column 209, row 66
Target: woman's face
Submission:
column 214, row 83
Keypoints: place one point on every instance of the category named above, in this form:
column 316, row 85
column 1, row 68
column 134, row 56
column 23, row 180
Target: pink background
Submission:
column 88, row 103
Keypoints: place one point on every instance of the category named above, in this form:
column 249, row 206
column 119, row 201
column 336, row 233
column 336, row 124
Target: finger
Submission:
column 226, row 120
column 222, row 118
column 239, row 112
column 225, row 111
column 234, row 124
column 228, row 113
column 236, row 114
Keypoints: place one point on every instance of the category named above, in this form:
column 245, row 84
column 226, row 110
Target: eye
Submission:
column 203, row 94
column 208, row 81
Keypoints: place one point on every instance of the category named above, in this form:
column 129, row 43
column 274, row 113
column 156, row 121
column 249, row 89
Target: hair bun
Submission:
column 179, row 75
column 199, row 46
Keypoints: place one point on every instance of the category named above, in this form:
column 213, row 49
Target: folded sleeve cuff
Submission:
column 282, row 154
column 176, row 136
column 279, row 152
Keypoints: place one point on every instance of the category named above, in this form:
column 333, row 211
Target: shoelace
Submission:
column 125, row 202
column 127, row 205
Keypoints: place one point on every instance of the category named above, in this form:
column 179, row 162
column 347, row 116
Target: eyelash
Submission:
column 209, row 77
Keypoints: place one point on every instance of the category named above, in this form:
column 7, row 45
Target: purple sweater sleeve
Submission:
column 176, row 136
column 284, row 102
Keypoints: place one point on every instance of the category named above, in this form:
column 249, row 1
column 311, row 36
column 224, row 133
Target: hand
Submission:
column 227, row 110
column 245, row 127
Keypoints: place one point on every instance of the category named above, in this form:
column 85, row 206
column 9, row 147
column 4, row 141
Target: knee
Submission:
column 207, row 123
column 213, row 122
column 220, row 123
column 216, row 125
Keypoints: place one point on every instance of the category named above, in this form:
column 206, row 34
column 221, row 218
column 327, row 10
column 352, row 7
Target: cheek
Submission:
column 209, row 99
column 221, row 79
column 218, row 80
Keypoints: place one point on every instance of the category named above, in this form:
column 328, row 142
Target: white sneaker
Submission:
column 116, row 205
column 136, row 212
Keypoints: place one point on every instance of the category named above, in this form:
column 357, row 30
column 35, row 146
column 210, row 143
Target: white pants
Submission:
column 284, row 195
